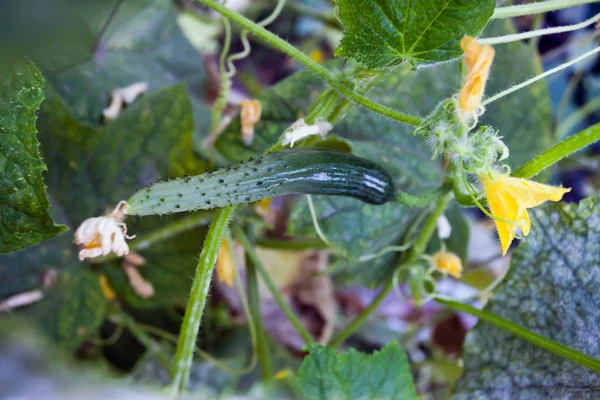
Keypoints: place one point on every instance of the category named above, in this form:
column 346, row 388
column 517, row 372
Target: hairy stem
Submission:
column 305, row 60
column 195, row 307
column 536, row 8
column 534, row 338
column 416, row 250
column 539, row 77
column 539, row 32
column 558, row 152
column 239, row 233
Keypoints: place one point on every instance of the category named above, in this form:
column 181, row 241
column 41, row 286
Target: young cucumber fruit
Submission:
column 300, row 170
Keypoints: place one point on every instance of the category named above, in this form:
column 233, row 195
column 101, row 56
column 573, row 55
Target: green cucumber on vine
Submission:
column 300, row 170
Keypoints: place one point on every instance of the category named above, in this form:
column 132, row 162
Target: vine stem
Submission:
column 558, row 152
column 239, row 233
column 264, row 359
column 538, row 340
column 280, row 44
column 186, row 345
column 536, row 8
column 416, row 251
column 540, row 76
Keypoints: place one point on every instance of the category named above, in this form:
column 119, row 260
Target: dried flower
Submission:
column 250, row 115
column 140, row 286
column 125, row 95
column 21, row 299
column 509, row 198
column 478, row 59
column 101, row 235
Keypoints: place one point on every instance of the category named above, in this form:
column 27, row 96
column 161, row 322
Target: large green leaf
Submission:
column 551, row 289
column 128, row 41
column 73, row 308
column 90, row 171
column 383, row 33
column 385, row 374
column 24, row 218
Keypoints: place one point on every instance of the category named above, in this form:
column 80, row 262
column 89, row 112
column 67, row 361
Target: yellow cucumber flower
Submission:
column 509, row 198
column 447, row 263
column 225, row 264
column 478, row 59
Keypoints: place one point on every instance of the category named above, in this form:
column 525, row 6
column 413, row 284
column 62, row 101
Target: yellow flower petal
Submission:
column 509, row 198
column 225, row 265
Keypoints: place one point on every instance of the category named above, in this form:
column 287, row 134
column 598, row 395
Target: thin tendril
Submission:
column 246, row 44
column 385, row 250
column 313, row 215
column 112, row 339
column 540, row 76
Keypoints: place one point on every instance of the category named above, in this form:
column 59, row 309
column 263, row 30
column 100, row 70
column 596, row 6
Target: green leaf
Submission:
column 73, row 306
column 385, row 374
column 141, row 41
column 380, row 34
column 72, row 309
column 90, row 171
column 552, row 290
column 24, row 218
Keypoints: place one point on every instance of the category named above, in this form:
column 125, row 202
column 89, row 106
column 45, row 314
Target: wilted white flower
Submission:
column 299, row 130
column 100, row 235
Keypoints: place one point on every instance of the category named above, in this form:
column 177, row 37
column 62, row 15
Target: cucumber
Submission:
column 300, row 170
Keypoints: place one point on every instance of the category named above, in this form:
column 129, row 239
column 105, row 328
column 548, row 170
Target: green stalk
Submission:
column 536, row 8
column 420, row 201
column 416, row 251
column 299, row 244
column 526, row 334
column 264, row 359
column 558, row 152
column 195, row 307
column 239, row 233
column 280, row 44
